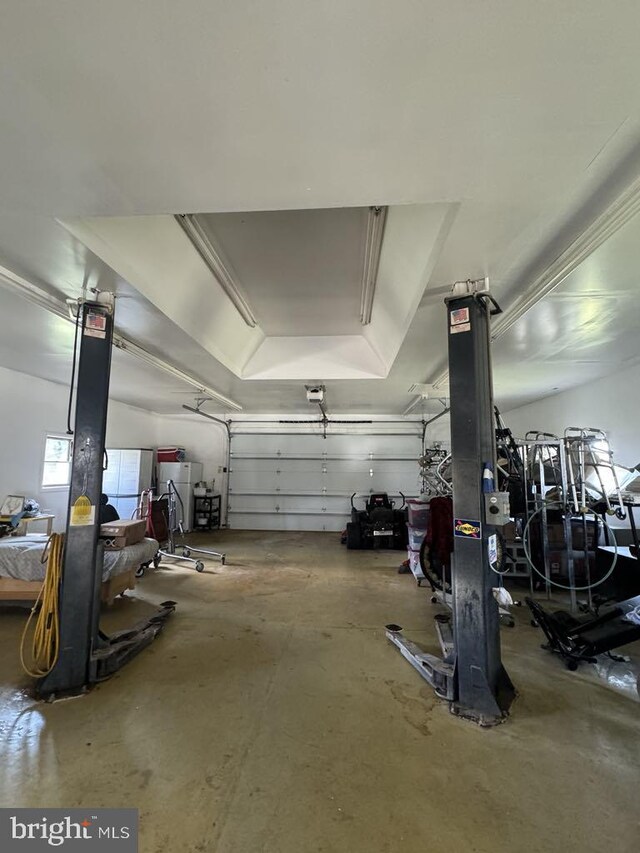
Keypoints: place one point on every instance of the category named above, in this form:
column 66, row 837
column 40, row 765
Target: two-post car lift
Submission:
column 470, row 673
column 87, row 655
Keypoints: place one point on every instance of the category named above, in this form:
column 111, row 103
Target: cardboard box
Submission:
column 119, row 534
column 509, row 531
column 557, row 537
column 558, row 565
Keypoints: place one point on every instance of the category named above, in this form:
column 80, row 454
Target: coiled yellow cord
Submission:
column 45, row 643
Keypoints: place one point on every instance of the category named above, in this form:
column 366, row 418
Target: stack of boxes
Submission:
column 559, row 547
column 418, row 513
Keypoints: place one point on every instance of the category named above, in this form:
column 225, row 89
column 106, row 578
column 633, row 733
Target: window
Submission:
column 57, row 461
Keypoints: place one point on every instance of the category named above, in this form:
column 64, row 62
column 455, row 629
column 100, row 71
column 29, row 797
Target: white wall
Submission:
column 34, row 407
column 611, row 403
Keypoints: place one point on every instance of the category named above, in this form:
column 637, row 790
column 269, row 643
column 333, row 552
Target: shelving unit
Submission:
column 209, row 506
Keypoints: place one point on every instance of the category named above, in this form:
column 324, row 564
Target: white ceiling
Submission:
column 586, row 328
column 523, row 116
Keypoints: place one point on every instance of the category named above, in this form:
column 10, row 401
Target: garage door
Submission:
column 304, row 482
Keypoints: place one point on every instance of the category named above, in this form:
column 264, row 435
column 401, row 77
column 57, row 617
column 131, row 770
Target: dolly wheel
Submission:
column 572, row 665
column 186, row 552
column 223, row 560
column 199, row 566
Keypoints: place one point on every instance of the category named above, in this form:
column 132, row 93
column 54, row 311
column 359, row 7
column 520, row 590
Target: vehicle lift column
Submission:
column 484, row 690
column 470, row 674
column 86, row 654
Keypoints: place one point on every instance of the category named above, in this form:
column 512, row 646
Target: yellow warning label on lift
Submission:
column 83, row 513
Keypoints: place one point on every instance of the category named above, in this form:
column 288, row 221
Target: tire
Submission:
column 501, row 550
column 432, row 573
column 354, row 536
column 186, row 552
column 140, row 571
column 199, row 566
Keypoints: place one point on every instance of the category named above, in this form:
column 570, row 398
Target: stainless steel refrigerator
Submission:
column 184, row 475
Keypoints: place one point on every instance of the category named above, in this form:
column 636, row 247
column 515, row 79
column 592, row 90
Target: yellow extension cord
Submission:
column 45, row 643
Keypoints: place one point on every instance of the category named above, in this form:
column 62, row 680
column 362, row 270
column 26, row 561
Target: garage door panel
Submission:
column 266, row 466
column 252, row 481
column 397, row 481
column 307, row 481
column 289, row 503
column 251, row 521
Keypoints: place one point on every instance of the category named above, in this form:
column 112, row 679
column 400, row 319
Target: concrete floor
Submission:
column 272, row 715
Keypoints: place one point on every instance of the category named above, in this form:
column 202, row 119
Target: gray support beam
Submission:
column 82, row 561
column 483, row 689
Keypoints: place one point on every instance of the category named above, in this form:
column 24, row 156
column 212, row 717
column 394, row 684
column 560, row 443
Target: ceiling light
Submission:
column 412, row 405
column 202, row 243
column 421, row 388
column 152, row 360
column 37, row 296
column 373, row 247
column 422, row 392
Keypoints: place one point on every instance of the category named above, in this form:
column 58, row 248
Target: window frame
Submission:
column 55, row 486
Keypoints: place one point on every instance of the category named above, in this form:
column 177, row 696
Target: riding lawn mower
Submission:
column 378, row 525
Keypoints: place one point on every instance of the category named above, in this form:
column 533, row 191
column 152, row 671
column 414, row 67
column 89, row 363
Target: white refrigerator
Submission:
column 184, row 475
column 129, row 471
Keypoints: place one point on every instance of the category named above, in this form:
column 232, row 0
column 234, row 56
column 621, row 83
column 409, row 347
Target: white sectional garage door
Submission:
column 303, row 482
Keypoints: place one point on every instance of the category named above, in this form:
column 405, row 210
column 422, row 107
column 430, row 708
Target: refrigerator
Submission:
column 129, row 471
column 184, row 475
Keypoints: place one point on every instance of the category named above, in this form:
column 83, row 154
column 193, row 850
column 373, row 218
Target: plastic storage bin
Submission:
column 171, row 454
column 418, row 513
column 416, row 535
